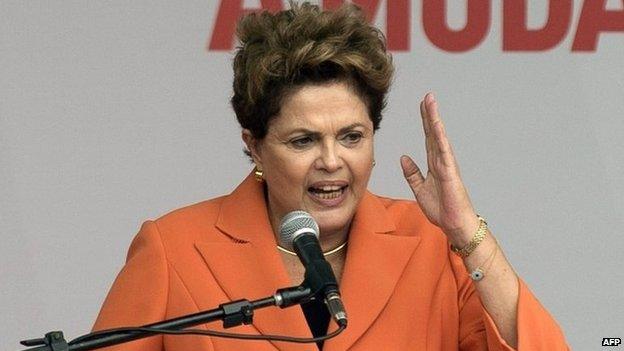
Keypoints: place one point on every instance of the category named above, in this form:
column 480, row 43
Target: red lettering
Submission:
column 595, row 18
column 516, row 35
column 439, row 33
column 398, row 15
column 225, row 25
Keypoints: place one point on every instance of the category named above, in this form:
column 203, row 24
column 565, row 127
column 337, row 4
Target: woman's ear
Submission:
column 253, row 146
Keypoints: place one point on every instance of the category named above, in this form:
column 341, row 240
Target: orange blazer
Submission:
column 401, row 286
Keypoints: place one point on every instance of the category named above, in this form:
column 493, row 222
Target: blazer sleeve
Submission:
column 139, row 294
column 537, row 330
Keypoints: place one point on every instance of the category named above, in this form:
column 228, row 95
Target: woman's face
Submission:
column 317, row 155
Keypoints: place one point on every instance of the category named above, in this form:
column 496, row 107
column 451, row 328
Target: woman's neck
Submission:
column 332, row 239
column 328, row 239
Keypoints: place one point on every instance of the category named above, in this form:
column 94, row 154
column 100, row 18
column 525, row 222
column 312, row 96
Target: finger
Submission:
column 427, row 130
column 431, row 109
column 424, row 117
column 441, row 149
column 433, row 114
column 445, row 153
column 432, row 119
column 412, row 173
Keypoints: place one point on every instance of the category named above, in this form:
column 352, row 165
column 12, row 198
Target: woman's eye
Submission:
column 301, row 142
column 352, row 138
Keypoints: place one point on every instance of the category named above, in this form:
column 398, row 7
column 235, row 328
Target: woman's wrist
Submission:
column 463, row 235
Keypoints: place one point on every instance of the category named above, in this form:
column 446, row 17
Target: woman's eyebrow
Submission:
column 350, row 127
column 304, row 131
column 315, row 133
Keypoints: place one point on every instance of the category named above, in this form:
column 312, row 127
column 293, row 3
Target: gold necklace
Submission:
column 327, row 253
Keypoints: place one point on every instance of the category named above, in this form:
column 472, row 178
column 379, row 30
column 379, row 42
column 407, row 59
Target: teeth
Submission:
column 329, row 195
column 326, row 189
column 327, row 192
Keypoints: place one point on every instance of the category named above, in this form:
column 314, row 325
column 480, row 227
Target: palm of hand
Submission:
column 441, row 194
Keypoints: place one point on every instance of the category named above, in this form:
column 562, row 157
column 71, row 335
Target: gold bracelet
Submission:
column 474, row 242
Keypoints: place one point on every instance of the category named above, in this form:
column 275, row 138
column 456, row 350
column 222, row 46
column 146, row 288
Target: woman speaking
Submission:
column 309, row 91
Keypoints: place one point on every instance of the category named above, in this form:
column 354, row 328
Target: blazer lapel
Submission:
column 375, row 260
column 247, row 264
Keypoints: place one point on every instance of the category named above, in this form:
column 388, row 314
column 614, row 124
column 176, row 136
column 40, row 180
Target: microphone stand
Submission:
column 232, row 314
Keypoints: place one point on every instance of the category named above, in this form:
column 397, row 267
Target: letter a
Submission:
column 595, row 19
column 225, row 25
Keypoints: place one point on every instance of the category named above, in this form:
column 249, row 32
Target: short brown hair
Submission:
column 281, row 52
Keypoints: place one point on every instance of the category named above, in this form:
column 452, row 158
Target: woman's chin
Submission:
column 333, row 220
column 331, row 225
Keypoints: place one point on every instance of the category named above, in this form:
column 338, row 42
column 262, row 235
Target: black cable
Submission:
column 131, row 330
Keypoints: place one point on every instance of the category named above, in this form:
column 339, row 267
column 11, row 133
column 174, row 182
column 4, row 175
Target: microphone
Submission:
column 299, row 232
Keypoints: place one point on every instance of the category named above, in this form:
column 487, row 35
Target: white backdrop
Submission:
column 114, row 112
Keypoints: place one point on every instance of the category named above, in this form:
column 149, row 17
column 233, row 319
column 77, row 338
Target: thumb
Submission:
column 412, row 173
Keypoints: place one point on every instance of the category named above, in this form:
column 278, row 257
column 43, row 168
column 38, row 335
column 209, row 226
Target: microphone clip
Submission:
column 52, row 341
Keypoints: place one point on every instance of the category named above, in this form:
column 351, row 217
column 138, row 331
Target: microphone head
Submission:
column 296, row 223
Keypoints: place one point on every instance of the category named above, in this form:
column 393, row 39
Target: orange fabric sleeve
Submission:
column 139, row 293
column 537, row 330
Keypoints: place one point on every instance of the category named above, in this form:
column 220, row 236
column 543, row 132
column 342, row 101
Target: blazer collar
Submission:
column 244, row 215
column 249, row 266
column 376, row 257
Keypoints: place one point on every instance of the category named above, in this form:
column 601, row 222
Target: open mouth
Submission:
column 327, row 192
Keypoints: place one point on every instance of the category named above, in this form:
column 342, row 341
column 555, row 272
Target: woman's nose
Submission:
column 329, row 159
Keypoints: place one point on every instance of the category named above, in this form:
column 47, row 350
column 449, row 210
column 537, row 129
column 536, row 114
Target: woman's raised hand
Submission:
column 441, row 193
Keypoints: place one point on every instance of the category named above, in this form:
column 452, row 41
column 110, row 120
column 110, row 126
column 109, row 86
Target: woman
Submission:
column 309, row 89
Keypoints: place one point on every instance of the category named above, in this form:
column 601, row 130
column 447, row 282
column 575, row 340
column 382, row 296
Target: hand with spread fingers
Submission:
column 444, row 200
column 441, row 193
